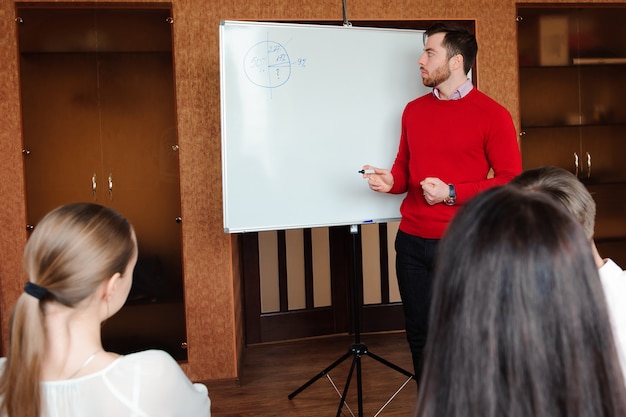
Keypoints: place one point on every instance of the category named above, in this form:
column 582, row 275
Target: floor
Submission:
column 272, row 372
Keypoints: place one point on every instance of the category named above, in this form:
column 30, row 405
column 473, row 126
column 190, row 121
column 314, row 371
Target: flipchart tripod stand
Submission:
column 357, row 350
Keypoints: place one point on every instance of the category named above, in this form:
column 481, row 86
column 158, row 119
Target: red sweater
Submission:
column 457, row 141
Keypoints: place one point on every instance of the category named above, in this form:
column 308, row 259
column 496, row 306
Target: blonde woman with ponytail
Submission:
column 79, row 262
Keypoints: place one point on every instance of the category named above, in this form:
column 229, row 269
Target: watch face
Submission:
column 452, row 192
column 451, row 199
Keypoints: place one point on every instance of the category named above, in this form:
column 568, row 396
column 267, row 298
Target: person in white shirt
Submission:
column 564, row 187
column 79, row 262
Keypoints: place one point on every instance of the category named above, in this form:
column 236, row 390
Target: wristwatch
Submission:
column 450, row 200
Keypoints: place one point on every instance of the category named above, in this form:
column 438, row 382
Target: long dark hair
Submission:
column 519, row 325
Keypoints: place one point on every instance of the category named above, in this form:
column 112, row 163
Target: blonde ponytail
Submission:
column 71, row 252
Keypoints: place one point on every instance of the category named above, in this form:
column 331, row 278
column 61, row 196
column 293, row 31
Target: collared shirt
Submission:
column 459, row 93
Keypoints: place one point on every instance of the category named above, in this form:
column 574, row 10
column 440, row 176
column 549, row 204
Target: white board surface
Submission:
column 303, row 108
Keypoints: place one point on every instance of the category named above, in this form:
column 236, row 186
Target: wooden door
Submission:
column 333, row 254
column 100, row 125
column 62, row 153
column 140, row 154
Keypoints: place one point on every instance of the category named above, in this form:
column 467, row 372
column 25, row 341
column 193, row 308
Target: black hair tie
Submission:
column 35, row 290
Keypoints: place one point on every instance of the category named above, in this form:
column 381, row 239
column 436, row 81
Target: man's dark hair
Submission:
column 457, row 40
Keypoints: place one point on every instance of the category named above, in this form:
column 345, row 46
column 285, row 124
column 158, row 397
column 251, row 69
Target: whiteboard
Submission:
column 303, row 108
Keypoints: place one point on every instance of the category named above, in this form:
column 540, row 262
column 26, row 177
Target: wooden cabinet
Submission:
column 572, row 66
column 99, row 122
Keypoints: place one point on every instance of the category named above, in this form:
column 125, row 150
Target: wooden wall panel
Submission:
column 212, row 282
column 12, row 209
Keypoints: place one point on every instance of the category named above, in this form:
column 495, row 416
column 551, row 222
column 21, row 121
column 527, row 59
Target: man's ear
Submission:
column 457, row 62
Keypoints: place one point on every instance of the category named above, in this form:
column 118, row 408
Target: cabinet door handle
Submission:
column 576, row 164
column 110, row 186
column 588, row 165
column 94, row 186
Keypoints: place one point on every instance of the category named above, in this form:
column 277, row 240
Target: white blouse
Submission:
column 144, row 384
column 614, row 284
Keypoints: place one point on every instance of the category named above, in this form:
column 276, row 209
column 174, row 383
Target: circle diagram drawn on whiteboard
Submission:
column 267, row 64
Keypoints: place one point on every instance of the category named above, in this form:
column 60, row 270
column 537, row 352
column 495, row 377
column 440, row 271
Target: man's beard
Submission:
column 440, row 75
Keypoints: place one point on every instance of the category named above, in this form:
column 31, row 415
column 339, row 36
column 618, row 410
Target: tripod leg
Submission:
column 357, row 349
column 318, row 376
column 389, row 364
column 359, row 382
column 355, row 360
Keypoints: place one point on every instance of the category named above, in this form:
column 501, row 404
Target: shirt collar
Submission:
column 459, row 93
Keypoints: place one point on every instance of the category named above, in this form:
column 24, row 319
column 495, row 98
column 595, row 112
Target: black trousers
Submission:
column 415, row 258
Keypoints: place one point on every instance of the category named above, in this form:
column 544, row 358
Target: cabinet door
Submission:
column 58, row 114
column 572, row 88
column 140, row 160
column 549, row 96
column 602, row 92
column 604, row 154
column 610, row 202
column 573, row 73
column 100, row 125
column 552, row 146
column 139, row 152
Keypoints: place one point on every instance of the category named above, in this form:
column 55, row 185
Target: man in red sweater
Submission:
column 451, row 139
